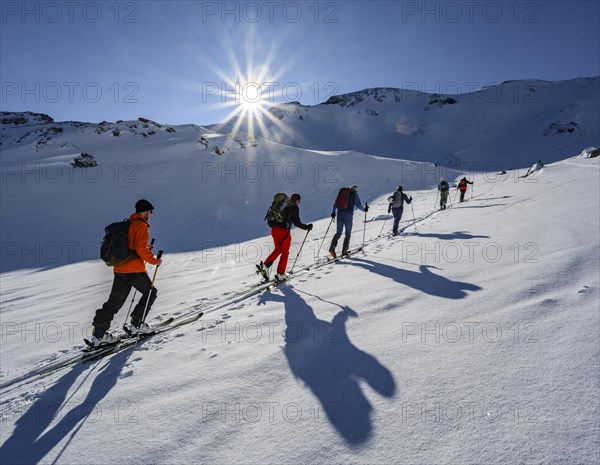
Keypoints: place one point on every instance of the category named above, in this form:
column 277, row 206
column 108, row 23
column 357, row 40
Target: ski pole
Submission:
column 160, row 252
column 385, row 221
column 435, row 203
column 413, row 212
column 326, row 232
column 450, row 197
column 299, row 251
column 134, row 292
column 365, row 226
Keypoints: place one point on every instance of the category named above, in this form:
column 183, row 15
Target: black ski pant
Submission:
column 334, row 242
column 121, row 287
column 462, row 195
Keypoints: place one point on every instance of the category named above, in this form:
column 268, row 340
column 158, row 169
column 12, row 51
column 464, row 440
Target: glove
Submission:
column 411, row 198
column 333, row 216
column 309, row 227
column 390, row 209
column 366, row 207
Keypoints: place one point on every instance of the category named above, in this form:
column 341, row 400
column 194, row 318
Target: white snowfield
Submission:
column 471, row 339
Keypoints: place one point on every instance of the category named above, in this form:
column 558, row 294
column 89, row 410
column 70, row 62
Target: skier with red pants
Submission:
column 462, row 187
column 282, row 238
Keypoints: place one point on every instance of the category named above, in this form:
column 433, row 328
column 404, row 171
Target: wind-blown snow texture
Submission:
column 471, row 339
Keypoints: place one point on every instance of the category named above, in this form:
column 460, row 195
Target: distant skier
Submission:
column 282, row 238
column 130, row 274
column 444, row 189
column 462, row 187
column 396, row 207
column 346, row 201
column 536, row 167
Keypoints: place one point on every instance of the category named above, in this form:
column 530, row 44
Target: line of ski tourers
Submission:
column 125, row 247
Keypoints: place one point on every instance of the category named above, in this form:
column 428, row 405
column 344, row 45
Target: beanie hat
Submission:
column 399, row 188
column 354, row 187
column 143, row 206
column 295, row 196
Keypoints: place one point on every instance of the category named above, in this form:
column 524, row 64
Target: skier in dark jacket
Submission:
column 396, row 207
column 282, row 238
column 127, row 275
column 443, row 188
column 462, row 187
column 345, row 203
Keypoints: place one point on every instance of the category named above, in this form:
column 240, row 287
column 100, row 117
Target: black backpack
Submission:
column 115, row 245
column 275, row 214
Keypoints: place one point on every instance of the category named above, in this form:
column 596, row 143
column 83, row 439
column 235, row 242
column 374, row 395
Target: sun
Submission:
column 250, row 98
column 250, row 84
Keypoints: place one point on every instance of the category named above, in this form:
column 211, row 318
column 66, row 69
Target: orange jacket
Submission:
column 138, row 240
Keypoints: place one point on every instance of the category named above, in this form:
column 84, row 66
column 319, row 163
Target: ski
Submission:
column 90, row 354
column 337, row 258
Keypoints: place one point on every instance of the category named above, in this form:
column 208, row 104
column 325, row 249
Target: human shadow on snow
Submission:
column 321, row 354
column 423, row 280
column 54, row 418
column 455, row 236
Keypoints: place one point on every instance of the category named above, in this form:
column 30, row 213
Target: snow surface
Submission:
column 499, row 127
column 472, row 339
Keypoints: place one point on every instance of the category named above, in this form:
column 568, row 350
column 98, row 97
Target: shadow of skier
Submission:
column 455, row 236
column 32, row 440
column 424, row 280
column 323, row 357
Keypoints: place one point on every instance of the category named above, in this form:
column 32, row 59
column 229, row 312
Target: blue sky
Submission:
column 179, row 62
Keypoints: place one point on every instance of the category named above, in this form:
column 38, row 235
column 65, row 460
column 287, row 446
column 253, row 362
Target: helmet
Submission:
column 354, row 187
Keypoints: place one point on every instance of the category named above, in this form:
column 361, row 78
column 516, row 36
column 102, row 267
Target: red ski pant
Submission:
column 282, row 239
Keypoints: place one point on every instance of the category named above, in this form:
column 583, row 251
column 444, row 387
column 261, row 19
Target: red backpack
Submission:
column 343, row 200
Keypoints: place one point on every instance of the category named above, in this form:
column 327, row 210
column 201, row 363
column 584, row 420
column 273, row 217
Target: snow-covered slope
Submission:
column 209, row 190
column 503, row 126
column 472, row 339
